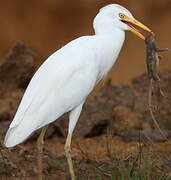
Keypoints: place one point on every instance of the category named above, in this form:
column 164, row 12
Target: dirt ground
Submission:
column 115, row 137
column 90, row 158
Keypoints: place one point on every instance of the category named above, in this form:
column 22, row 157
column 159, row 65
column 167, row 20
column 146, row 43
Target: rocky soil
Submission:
column 114, row 120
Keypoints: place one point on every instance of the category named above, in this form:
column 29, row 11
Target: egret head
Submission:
column 116, row 16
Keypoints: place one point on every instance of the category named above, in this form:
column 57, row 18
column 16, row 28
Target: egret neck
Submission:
column 109, row 45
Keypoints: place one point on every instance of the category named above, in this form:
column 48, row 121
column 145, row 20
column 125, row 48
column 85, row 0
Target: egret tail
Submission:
column 16, row 136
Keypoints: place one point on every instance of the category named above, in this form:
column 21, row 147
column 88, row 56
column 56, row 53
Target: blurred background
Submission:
column 46, row 25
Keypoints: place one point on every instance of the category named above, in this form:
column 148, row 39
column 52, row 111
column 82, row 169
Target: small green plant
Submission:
column 140, row 164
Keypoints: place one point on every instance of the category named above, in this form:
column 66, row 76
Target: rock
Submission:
column 119, row 95
column 17, row 69
column 125, row 122
column 161, row 104
column 15, row 73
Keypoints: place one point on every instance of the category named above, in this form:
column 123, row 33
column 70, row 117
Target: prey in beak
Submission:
column 133, row 25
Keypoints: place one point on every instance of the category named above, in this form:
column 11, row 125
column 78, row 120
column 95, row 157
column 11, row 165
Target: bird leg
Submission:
column 40, row 143
column 73, row 118
column 68, row 155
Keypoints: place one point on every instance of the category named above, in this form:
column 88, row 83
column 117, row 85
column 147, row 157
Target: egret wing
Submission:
column 58, row 86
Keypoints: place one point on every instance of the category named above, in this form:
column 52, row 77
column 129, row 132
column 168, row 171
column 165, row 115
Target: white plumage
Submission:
column 66, row 78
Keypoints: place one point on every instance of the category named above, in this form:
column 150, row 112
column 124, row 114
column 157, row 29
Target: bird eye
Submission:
column 122, row 16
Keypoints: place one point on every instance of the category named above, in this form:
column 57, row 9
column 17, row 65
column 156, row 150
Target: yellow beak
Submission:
column 131, row 22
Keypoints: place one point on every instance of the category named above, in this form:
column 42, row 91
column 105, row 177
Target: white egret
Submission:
column 66, row 78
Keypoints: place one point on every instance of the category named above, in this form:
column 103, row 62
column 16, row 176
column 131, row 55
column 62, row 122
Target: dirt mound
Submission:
column 122, row 109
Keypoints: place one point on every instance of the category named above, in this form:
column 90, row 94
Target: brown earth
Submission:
column 114, row 125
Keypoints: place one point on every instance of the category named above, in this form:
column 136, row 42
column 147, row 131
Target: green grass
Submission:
column 137, row 165
column 129, row 168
